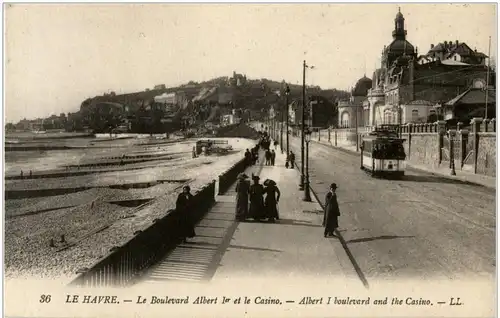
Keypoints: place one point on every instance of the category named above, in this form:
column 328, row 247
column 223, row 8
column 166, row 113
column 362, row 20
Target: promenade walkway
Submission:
column 224, row 249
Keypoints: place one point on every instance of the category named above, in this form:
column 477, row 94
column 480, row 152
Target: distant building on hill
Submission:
column 160, row 86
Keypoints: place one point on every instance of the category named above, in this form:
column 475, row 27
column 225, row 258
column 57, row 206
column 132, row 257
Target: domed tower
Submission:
column 399, row 32
column 362, row 86
column 399, row 45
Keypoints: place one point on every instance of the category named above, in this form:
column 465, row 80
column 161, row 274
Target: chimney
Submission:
column 432, row 46
column 456, row 42
column 450, row 43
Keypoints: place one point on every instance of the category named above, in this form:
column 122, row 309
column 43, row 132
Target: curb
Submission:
column 412, row 167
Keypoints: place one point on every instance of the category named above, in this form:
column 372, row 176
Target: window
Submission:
column 414, row 115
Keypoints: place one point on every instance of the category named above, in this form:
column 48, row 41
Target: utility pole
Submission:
column 287, row 92
column 356, row 108
column 301, row 186
column 487, row 80
column 281, row 129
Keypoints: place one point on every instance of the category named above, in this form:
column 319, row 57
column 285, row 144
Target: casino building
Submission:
column 410, row 88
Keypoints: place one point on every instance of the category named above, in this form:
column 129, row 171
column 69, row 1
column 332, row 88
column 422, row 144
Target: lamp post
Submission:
column 307, row 193
column 301, row 185
column 451, row 138
column 287, row 93
column 281, row 130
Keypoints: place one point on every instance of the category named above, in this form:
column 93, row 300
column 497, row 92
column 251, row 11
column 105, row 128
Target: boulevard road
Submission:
column 422, row 227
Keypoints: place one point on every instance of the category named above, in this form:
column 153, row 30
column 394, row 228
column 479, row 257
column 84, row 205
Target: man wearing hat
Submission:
column 242, row 190
column 332, row 211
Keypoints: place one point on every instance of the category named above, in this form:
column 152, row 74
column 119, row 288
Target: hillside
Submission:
column 207, row 102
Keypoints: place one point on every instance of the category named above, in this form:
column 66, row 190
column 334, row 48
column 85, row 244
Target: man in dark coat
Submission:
column 273, row 157
column 268, row 157
column 291, row 158
column 248, row 157
column 332, row 211
column 183, row 206
column 242, row 191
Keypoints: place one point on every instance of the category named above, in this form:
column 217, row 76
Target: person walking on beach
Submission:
column 332, row 212
column 183, row 206
column 242, row 191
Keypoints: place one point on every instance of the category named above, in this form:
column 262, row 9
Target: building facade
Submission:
column 408, row 86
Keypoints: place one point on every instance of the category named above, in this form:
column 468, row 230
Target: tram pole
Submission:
column 287, row 92
column 301, row 185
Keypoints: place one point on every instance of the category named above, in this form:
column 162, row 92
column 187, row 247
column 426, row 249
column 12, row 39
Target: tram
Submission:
column 382, row 153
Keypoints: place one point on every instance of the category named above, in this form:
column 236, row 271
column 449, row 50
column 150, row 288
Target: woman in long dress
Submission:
column 332, row 211
column 183, row 206
column 257, row 211
column 242, row 191
column 271, row 201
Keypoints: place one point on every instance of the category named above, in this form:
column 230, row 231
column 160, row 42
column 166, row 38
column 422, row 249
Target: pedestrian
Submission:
column 268, row 157
column 273, row 157
column 332, row 212
column 256, row 192
column 272, row 199
column 292, row 159
column 242, row 191
column 255, row 157
column 248, row 157
column 183, row 207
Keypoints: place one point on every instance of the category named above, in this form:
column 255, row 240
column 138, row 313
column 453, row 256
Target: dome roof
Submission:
column 400, row 46
column 399, row 15
column 362, row 86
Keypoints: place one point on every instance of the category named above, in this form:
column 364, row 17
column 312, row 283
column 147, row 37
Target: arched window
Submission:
column 414, row 115
column 345, row 122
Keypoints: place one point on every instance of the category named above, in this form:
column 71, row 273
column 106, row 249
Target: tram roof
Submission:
column 382, row 138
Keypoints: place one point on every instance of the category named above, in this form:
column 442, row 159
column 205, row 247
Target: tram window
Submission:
column 389, row 151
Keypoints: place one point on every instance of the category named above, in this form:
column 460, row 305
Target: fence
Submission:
column 227, row 178
column 125, row 263
column 431, row 144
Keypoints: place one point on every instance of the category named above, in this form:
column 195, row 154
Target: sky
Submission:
column 57, row 55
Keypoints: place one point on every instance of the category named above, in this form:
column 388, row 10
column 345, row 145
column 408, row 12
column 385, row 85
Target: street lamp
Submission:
column 287, row 93
column 307, row 193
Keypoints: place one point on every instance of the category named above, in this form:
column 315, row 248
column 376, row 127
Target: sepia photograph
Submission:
column 250, row 159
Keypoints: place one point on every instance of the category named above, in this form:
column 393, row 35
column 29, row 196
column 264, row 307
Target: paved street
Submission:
column 421, row 227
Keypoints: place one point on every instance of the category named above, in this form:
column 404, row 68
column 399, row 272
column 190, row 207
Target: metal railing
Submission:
column 227, row 179
column 126, row 263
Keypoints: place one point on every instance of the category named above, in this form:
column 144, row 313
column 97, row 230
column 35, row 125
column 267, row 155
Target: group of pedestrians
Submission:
column 252, row 156
column 270, row 157
column 257, row 201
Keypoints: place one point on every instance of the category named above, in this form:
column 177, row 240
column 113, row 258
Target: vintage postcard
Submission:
column 250, row 159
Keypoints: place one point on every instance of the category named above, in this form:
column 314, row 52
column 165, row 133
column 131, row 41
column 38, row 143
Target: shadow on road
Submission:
column 383, row 237
column 253, row 248
column 295, row 222
column 432, row 179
